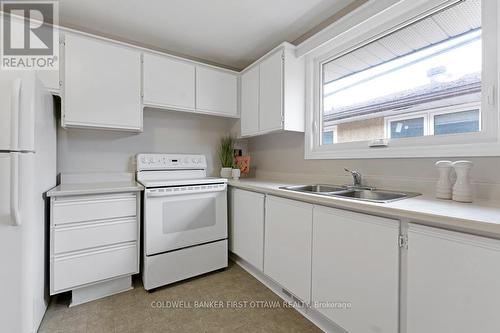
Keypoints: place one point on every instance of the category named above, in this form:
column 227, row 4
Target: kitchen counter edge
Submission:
column 481, row 217
column 94, row 188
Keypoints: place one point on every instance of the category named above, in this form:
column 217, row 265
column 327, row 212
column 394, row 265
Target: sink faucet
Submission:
column 356, row 177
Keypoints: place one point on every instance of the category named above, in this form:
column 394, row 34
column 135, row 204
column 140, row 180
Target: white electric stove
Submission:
column 185, row 218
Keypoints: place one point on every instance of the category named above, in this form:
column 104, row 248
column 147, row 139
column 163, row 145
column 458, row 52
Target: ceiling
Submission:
column 232, row 33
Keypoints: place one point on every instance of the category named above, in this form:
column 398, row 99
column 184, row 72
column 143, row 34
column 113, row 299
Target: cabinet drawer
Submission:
column 70, row 271
column 90, row 208
column 88, row 235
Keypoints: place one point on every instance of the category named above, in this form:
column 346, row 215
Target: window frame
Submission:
column 405, row 116
column 484, row 143
column 429, row 117
column 449, row 110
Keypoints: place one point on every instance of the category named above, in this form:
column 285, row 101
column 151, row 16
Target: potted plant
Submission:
column 226, row 156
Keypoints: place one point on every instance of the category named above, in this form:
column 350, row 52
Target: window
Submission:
column 407, row 128
column 329, row 135
column 419, row 85
column 435, row 122
column 456, row 122
column 431, row 60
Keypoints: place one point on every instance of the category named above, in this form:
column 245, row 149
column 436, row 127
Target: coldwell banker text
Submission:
column 30, row 37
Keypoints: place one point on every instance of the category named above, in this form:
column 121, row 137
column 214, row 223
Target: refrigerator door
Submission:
column 18, row 105
column 24, row 178
column 16, row 241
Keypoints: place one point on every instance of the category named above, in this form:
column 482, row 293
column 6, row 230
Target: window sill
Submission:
column 456, row 150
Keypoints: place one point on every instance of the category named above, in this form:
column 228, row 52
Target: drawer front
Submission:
column 71, row 271
column 89, row 208
column 94, row 234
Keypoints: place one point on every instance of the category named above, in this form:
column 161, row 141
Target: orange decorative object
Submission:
column 243, row 163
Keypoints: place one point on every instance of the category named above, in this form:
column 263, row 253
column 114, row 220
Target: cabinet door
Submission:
column 168, row 82
column 271, row 92
column 102, row 84
column 247, row 226
column 453, row 282
column 356, row 262
column 287, row 256
column 216, row 91
column 250, row 101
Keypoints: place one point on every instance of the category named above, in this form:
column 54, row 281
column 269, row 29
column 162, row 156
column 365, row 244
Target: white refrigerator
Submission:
column 27, row 171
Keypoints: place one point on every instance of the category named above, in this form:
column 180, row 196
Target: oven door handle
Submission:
column 186, row 192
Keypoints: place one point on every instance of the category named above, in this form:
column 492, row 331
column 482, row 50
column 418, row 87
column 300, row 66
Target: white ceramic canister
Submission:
column 462, row 190
column 444, row 186
column 236, row 174
column 226, row 172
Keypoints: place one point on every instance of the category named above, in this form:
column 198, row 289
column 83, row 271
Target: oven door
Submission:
column 183, row 216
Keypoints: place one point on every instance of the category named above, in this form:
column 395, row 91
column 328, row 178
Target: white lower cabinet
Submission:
column 93, row 238
column 453, row 282
column 287, row 249
column 355, row 270
column 247, row 226
column 78, row 269
column 367, row 273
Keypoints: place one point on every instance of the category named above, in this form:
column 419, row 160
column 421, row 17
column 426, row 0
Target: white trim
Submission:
column 485, row 143
column 343, row 25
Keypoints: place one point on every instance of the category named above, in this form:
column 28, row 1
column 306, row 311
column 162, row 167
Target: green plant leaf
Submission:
column 226, row 152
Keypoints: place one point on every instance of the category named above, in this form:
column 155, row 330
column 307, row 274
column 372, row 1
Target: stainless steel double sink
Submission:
column 350, row 192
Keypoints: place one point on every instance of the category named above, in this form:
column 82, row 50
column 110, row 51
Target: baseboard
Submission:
column 323, row 323
column 101, row 290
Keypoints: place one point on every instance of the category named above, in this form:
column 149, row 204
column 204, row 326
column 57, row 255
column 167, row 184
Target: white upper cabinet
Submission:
column 216, row 91
column 168, row 82
column 271, row 93
column 101, row 84
column 453, row 282
column 356, row 261
column 273, row 98
column 287, row 249
column 250, row 102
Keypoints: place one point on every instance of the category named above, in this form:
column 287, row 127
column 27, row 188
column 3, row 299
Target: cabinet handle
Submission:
column 14, row 189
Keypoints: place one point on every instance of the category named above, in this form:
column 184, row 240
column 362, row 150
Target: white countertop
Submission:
column 481, row 217
column 94, row 188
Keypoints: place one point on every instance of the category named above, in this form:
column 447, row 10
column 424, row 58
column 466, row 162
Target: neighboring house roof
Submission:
column 424, row 94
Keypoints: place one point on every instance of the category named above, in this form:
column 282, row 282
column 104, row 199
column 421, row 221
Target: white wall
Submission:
column 281, row 156
column 97, row 151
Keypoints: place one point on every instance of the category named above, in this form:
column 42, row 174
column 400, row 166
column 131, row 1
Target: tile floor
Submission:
column 133, row 311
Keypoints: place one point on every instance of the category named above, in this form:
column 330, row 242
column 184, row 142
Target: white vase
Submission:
column 462, row 190
column 226, row 172
column 444, row 187
column 236, row 174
